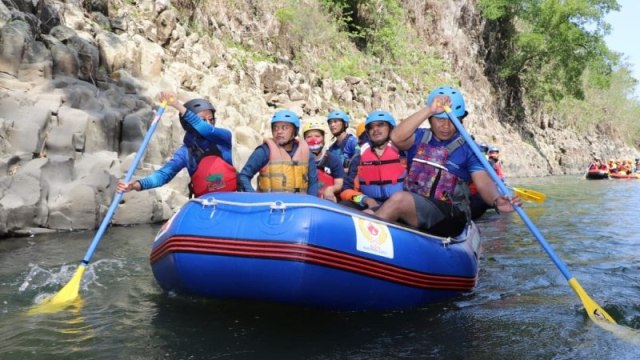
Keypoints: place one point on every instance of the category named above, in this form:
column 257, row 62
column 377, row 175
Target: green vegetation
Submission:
column 556, row 50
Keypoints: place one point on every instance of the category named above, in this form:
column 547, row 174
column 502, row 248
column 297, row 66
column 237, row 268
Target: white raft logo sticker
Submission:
column 373, row 238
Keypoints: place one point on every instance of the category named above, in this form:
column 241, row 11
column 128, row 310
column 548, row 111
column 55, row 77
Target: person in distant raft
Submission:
column 283, row 162
column 330, row 171
column 205, row 152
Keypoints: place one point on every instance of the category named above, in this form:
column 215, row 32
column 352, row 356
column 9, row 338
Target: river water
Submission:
column 522, row 308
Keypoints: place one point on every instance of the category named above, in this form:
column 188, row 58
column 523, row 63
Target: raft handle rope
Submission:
column 281, row 205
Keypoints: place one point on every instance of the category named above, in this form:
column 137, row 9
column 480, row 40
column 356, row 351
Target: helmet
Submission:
column 360, row 129
column 313, row 125
column 339, row 114
column 197, row 105
column 494, row 149
column 380, row 115
column 286, row 116
column 483, row 147
column 457, row 101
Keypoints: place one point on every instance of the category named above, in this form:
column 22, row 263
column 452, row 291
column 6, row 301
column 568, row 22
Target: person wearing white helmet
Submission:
column 441, row 164
column 378, row 170
column 493, row 155
column 283, row 163
column 330, row 171
column 205, row 152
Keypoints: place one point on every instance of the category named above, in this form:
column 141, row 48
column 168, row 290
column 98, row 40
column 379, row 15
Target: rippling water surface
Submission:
column 522, row 307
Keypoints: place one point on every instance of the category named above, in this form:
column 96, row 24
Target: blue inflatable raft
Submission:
column 302, row 250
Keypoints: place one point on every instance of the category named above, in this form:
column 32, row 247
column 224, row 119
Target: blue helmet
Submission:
column 483, row 147
column 380, row 115
column 339, row 114
column 494, row 149
column 286, row 116
column 457, row 101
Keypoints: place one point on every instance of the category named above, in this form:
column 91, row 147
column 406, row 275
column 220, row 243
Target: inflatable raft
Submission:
column 302, row 250
column 596, row 174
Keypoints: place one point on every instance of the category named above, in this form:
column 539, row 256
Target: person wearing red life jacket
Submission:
column 494, row 159
column 378, row 170
column 441, row 164
column 283, row 163
column 330, row 170
column 205, row 152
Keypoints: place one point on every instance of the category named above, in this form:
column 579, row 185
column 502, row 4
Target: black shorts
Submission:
column 439, row 218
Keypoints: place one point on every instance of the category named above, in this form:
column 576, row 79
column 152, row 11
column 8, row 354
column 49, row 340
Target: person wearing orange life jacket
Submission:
column 330, row 171
column 378, row 170
column 441, row 164
column 205, row 152
column 284, row 163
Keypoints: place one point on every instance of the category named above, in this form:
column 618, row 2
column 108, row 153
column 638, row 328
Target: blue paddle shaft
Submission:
column 503, row 189
column 127, row 178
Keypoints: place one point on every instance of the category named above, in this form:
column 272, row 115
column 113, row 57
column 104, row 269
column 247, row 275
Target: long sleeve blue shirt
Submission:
column 260, row 158
column 210, row 136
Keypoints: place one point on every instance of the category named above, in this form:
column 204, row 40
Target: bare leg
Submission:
column 400, row 206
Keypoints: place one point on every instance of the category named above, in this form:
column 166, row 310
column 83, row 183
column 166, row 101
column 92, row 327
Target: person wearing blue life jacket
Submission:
column 283, row 163
column 205, row 152
column 344, row 144
column 441, row 165
column 378, row 170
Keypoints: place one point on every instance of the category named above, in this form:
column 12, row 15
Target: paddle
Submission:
column 69, row 292
column 595, row 312
column 529, row 195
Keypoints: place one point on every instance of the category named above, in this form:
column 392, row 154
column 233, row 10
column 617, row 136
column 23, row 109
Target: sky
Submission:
column 625, row 26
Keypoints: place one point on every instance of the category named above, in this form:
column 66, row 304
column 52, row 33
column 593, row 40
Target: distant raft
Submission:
column 596, row 174
column 302, row 250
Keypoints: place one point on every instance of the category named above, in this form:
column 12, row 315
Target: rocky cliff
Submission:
column 78, row 81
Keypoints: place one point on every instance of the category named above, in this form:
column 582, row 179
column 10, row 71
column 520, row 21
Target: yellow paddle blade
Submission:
column 530, row 195
column 595, row 312
column 66, row 297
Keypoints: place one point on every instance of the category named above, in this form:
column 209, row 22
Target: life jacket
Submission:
column 324, row 174
column 434, row 180
column 213, row 173
column 498, row 168
column 337, row 147
column 380, row 176
column 283, row 172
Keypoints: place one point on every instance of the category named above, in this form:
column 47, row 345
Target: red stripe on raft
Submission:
column 314, row 255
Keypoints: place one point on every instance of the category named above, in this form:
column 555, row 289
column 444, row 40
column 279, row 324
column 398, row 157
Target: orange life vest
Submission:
column 283, row 172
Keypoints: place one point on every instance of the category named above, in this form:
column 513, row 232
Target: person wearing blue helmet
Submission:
column 378, row 170
column 344, row 144
column 441, row 164
column 283, row 163
column 205, row 152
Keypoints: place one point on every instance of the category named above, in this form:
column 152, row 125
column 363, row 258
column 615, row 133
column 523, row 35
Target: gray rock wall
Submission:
column 77, row 89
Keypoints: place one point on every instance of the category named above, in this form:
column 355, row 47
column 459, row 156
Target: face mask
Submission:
column 314, row 144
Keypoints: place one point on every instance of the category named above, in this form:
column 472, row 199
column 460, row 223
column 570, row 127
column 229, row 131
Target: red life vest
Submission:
column 213, row 174
column 380, row 176
column 324, row 178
